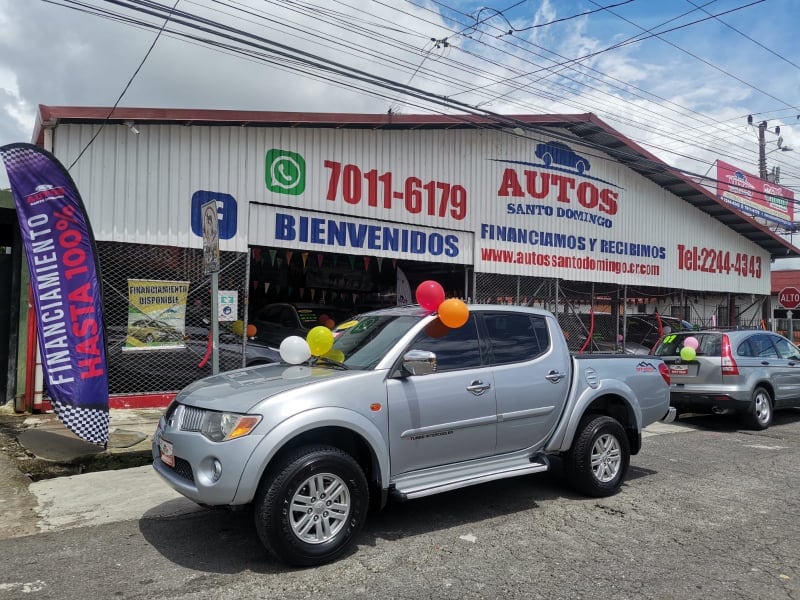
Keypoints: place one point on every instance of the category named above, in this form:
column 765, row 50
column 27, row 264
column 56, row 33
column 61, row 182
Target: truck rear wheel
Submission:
column 312, row 506
column 599, row 458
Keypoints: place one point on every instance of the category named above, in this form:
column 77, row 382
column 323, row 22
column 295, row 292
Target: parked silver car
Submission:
column 747, row 372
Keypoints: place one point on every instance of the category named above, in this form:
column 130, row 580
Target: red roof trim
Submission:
column 50, row 115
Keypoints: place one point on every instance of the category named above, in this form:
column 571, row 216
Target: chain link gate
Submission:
column 591, row 315
column 166, row 347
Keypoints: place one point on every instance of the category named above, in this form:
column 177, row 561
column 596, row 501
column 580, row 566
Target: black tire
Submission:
column 149, row 338
column 759, row 414
column 334, row 521
column 599, row 458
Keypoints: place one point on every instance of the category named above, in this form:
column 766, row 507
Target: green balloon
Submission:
column 688, row 353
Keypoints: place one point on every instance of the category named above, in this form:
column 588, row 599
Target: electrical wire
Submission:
column 125, row 89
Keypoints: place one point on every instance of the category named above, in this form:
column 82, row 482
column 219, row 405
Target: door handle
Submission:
column 555, row 376
column 477, row 387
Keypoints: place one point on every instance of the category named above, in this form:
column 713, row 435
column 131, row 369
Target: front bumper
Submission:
column 206, row 472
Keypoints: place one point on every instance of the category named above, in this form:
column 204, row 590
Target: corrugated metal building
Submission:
column 559, row 211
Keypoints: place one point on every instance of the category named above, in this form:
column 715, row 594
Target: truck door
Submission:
column 530, row 392
column 446, row 416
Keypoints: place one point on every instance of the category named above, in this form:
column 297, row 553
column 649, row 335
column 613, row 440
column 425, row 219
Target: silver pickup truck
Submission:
column 414, row 408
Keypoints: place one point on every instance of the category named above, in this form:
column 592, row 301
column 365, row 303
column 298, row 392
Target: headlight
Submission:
column 222, row 426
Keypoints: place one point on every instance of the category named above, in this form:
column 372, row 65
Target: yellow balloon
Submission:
column 453, row 313
column 238, row 327
column 335, row 354
column 320, row 340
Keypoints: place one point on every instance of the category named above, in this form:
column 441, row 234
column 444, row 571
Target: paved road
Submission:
column 708, row 511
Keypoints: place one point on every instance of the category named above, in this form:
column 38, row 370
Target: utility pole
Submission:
column 762, row 150
column 762, row 146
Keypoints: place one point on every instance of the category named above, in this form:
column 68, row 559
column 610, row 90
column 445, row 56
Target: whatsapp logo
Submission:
column 285, row 172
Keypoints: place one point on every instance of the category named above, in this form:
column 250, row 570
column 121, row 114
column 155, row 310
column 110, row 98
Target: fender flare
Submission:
column 562, row 437
column 287, row 430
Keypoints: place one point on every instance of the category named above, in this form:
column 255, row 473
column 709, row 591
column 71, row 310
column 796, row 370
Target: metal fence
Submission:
column 592, row 315
column 158, row 341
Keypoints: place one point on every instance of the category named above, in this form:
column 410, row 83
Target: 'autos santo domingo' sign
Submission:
column 547, row 207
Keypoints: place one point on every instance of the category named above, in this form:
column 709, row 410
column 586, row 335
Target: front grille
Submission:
column 192, row 418
column 184, row 469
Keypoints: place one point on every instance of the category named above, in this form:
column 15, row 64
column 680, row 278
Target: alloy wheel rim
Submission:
column 319, row 508
column 606, row 458
column 762, row 408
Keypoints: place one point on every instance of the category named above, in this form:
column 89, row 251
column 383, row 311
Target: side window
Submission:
column 454, row 348
column 785, row 348
column 269, row 314
column 287, row 317
column 760, row 347
column 516, row 337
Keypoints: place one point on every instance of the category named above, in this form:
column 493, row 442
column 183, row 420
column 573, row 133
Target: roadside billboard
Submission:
column 754, row 196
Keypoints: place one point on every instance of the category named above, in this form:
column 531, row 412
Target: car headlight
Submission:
column 223, row 426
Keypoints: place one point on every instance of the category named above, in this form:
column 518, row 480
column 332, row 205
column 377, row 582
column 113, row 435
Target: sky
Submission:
column 679, row 77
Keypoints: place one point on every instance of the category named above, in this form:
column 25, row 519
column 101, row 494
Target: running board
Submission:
column 452, row 477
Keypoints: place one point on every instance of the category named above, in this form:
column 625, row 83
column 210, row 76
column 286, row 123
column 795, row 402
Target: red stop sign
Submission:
column 789, row 297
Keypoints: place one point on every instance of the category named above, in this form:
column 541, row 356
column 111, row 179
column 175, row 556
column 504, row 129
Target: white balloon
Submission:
column 295, row 350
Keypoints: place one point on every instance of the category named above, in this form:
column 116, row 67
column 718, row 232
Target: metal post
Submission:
column 791, row 326
column 246, row 309
column 214, row 322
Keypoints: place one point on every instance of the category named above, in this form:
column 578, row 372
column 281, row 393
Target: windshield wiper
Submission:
column 330, row 361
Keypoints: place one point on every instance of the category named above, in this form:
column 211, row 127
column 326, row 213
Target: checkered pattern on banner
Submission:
column 87, row 423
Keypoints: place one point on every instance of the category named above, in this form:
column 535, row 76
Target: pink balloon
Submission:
column 691, row 342
column 430, row 294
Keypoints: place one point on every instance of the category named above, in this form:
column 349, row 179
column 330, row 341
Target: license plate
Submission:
column 167, row 457
column 679, row 369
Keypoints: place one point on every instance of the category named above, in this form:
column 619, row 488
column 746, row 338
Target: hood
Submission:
column 240, row 390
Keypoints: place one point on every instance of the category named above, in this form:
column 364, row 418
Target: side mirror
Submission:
column 419, row 362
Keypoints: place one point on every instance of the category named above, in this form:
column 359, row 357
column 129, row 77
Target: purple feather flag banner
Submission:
column 60, row 250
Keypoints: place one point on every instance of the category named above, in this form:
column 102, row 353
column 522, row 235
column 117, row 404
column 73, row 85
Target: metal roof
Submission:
column 587, row 128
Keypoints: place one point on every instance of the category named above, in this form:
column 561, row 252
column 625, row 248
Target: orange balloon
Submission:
column 251, row 330
column 453, row 312
column 330, row 323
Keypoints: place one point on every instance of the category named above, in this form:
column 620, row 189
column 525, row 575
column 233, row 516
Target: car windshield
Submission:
column 364, row 341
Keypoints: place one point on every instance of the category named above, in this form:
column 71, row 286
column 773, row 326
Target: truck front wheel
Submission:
column 311, row 506
column 599, row 458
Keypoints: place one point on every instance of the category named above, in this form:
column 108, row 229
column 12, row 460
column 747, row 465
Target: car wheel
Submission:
column 311, row 506
column 759, row 414
column 599, row 458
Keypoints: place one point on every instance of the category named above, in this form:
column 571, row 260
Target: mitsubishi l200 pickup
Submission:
column 413, row 408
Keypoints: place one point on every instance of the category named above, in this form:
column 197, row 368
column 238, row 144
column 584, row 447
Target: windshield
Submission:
column 364, row 341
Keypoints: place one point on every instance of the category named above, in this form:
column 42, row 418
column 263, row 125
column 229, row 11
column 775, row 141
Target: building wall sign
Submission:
column 285, row 227
column 755, row 196
column 542, row 205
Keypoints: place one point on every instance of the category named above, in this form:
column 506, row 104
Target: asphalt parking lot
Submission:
column 708, row 511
